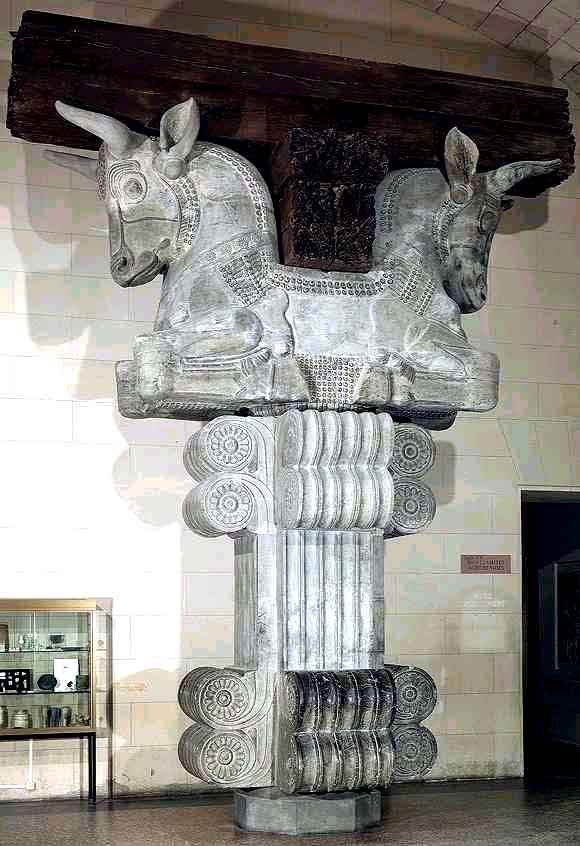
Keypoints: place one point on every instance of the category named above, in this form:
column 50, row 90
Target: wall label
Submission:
column 486, row 563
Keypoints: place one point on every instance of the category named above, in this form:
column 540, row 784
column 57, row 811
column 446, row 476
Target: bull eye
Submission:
column 134, row 190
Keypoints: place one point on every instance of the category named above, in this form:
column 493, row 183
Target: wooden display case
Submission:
column 55, row 676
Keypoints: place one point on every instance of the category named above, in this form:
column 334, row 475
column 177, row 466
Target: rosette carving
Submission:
column 225, row 700
column 230, row 740
column 222, row 698
column 415, row 751
column 226, row 757
column 413, row 451
column 231, row 458
column 217, row 757
column 414, row 507
column 227, row 443
column 415, row 694
column 225, row 504
column 219, row 698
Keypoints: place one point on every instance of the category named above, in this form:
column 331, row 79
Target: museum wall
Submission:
column 90, row 502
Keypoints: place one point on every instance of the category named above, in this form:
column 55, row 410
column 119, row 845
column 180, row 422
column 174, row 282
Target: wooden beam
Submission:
column 254, row 96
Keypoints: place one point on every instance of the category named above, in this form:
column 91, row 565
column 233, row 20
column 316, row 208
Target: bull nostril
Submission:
column 123, row 263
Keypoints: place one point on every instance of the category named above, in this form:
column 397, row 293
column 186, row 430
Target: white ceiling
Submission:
column 546, row 32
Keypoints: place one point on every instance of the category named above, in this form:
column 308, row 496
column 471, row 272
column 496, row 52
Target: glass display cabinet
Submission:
column 55, row 671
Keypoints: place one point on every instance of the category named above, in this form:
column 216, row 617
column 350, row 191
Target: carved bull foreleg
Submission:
column 271, row 310
column 235, row 332
column 255, row 341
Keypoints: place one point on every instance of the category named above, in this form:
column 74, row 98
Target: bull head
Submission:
column 135, row 175
column 477, row 201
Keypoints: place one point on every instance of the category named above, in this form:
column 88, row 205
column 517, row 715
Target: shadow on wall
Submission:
column 441, row 479
column 145, row 745
column 152, row 487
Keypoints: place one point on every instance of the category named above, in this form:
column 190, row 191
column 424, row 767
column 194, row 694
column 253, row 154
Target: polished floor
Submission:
column 474, row 813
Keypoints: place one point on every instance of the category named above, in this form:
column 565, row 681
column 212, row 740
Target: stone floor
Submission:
column 474, row 813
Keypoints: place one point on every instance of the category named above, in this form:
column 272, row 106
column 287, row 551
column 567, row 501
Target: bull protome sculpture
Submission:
column 237, row 330
column 334, row 365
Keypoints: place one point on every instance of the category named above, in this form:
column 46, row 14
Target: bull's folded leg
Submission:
column 220, row 331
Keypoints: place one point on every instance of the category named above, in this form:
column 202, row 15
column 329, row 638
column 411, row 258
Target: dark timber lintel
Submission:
column 252, row 98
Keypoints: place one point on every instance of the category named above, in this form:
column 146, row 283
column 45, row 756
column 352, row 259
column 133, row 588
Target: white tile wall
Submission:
column 105, row 493
column 35, row 252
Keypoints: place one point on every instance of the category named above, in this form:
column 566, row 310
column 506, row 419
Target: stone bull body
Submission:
column 237, row 330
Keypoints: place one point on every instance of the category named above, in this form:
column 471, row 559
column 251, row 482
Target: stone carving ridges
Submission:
column 325, row 762
column 334, row 470
column 317, row 470
column 352, row 730
column 331, row 470
column 333, row 731
column 331, row 599
column 230, row 740
column 351, row 700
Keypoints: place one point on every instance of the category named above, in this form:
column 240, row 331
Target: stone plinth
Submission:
column 268, row 809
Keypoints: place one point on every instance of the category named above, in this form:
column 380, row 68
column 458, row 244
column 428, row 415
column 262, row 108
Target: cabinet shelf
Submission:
column 69, row 651
column 53, row 730
column 45, row 693
column 70, row 640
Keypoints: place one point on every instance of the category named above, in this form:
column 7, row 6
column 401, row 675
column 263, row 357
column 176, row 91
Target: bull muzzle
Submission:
column 129, row 272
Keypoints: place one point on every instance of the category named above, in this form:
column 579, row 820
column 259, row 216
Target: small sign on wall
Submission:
column 486, row 563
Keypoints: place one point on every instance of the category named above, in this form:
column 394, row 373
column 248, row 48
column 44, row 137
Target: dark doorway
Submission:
column 551, row 647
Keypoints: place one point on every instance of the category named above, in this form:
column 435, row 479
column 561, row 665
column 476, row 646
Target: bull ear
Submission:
column 84, row 165
column 505, row 177
column 461, row 156
column 177, row 135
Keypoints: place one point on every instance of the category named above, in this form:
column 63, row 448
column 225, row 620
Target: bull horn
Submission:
column 501, row 180
column 84, row 165
column 118, row 137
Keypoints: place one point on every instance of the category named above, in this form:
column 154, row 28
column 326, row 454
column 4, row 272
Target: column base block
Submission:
column 268, row 809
